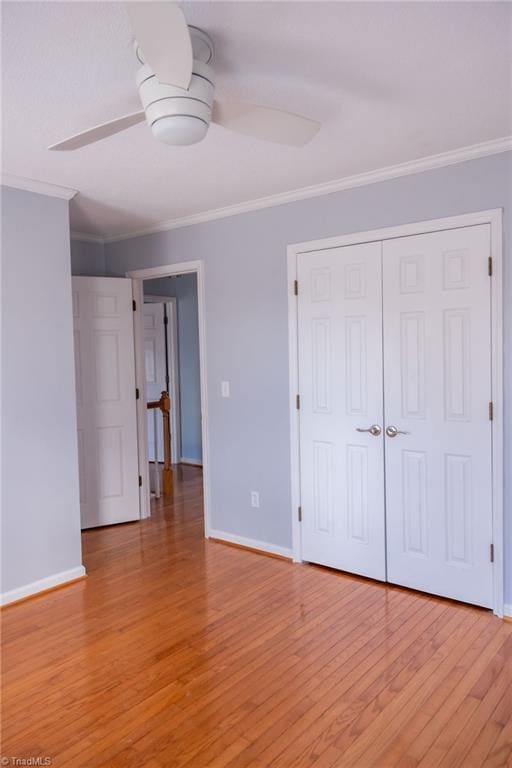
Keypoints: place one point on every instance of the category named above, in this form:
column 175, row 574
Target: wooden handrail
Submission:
column 164, row 404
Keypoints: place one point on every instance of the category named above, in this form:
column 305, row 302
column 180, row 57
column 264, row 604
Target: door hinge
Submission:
column 491, row 411
column 299, row 514
column 166, row 320
column 489, row 266
column 297, row 402
column 140, row 481
column 296, row 287
column 492, row 553
column 134, row 305
column 137, row 393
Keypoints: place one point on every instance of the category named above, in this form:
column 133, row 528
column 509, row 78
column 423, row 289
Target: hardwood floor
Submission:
column 176, row 651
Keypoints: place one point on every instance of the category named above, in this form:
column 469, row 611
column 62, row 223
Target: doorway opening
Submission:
column 171, row 361
column 171, row 381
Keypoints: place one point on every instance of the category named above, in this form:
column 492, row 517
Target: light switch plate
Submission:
column 224, row 388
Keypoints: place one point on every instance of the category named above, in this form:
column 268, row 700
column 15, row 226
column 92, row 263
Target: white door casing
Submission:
column 494, row 220
column 174, row 376
column 340, row 384
column 154, row 361
column 138, row 276
column 437, row 385
column 105, row 391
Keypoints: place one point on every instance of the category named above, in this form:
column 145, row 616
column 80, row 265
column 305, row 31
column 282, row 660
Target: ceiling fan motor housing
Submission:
column 176, row 115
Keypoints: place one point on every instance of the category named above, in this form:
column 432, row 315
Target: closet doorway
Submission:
column 398, row 437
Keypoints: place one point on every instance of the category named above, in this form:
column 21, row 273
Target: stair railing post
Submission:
column 164, row 405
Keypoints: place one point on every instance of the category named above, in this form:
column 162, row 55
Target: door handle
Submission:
column 374, row 430
column 392, row 431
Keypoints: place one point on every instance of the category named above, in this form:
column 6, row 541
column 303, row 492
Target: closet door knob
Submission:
column 392, row 431
column 374, row 430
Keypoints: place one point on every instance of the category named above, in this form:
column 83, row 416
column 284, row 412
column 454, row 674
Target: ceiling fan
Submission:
column 176, row 86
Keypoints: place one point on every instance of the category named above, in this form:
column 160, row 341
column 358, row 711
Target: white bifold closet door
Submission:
column 437, row 388
column 105, row 395
column 340, row 382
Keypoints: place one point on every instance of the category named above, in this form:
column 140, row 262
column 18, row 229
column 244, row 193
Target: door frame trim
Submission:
column 494, row 218
column 138, row 276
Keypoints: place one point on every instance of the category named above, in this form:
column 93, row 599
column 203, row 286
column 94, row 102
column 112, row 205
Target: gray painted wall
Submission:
column 40, row 498
column 246, row 322
column 184, row 288
column 87, row 258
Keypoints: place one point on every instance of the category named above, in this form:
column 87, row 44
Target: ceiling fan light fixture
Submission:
column 177, row 115
column 179, row 130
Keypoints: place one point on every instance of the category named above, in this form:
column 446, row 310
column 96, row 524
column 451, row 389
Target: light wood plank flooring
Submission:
column 176, row 651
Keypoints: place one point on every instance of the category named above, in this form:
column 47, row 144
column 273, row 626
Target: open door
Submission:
column 155, row 365
column 105, row 395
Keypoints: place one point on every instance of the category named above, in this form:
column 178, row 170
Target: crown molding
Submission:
column 431, row 162
column 428, row 163
column 40, row 187
column 88, row 238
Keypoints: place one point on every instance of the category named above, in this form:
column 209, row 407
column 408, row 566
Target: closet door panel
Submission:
column 437, row 384
column 340, row 383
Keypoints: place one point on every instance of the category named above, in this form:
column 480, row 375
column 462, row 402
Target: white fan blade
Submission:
column 265, row 123
column 162, row 34
column 100, row 131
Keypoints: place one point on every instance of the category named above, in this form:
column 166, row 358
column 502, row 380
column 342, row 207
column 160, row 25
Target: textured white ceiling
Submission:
column 391, row 82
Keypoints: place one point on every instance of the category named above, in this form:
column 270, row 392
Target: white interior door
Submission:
column 154, row 359
column 340, row 383
column 105, row 392
column 437, row 384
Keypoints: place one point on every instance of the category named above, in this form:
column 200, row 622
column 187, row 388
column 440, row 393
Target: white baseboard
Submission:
column 262, row 546
column 43, row 584
column 193, row 462
column 507, row 611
